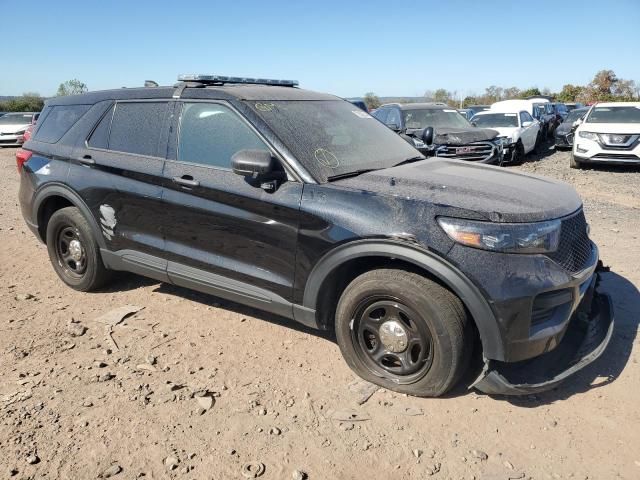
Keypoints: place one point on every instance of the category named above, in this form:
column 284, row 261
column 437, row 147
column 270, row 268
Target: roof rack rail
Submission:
column 222, row 79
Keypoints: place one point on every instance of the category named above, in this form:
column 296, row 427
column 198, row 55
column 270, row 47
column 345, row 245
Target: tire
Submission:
column 573, row 163
column 78, row 265
column 518, row 154
column 382, row 299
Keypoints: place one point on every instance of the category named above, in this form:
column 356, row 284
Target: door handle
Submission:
column 87, row 160
column 186, row 181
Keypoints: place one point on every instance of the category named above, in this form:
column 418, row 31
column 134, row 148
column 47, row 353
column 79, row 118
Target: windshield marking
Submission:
column 326, row 158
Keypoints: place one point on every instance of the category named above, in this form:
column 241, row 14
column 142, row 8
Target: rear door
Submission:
column 224, row 235
column 118, row 172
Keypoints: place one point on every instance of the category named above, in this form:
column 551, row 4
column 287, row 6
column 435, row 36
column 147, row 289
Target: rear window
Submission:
column 58, row 120
column 136, row 127
column 627, row 114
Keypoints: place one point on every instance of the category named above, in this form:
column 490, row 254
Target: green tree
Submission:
column 530, row 92
column 441, row 95
column 28, row 102
column 569, row 93
column 372, row 100
column 71, row 87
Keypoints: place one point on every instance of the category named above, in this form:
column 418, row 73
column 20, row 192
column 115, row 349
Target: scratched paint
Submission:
column 108, row 221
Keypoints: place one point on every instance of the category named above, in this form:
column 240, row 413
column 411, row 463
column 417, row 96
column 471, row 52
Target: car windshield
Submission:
column 15, row 119
column 333, row 137
column 434, row 117
column 574, row 115
column 626, row 114
column 496, row 120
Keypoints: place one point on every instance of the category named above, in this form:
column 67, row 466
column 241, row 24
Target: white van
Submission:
column 536, row 107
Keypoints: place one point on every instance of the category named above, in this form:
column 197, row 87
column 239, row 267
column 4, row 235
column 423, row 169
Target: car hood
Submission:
column 611, row 127
column 457, row 136
column 506, row 131
column 13, row 128
column 482, row 190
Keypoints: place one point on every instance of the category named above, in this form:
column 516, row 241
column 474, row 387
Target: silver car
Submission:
column 13, row 126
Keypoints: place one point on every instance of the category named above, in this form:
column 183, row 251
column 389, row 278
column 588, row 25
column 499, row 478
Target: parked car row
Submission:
column 504, row 132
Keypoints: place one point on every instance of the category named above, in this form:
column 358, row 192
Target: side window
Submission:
column 58, row 121
column 211, row 133
column 137, row 127
column 525, row 117
column 100, row 136
column 394, row 117
column 381, row 114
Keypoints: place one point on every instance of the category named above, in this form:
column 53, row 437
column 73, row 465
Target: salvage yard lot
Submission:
column 77, row 406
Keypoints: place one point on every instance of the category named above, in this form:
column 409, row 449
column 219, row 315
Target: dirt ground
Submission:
column 194, row 387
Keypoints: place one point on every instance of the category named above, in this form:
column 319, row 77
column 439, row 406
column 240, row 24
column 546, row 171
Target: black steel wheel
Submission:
column 392, row 339
column 71, row 255
column 403, row 331
column 73, row 250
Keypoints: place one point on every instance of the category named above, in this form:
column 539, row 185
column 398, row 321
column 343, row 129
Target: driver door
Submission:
column 529, row 133
column 225, row 236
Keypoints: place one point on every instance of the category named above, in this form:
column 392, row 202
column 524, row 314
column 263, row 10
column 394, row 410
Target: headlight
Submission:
column 504, row 141
column 588, row 135
column 21, row 132
column 539, row 237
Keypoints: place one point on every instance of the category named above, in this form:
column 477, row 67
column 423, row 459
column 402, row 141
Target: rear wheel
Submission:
column 73, row 251
column 574, row 163
column 404, row 332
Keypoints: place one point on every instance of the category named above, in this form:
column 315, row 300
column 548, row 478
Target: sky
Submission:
column 340, row 47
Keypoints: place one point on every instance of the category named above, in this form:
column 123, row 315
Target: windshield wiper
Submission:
column 411, row 160
column 354, row 173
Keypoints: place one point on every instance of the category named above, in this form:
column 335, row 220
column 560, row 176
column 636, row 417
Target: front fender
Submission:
column 453, row 278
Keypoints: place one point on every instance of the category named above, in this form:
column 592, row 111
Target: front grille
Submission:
column 616, row 156
column 574, row 249
column 473, row 152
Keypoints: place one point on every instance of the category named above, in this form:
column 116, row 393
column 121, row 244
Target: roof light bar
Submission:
column 192, row 77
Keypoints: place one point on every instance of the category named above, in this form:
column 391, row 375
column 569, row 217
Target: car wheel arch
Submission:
column 51, row 198
column 422, row 260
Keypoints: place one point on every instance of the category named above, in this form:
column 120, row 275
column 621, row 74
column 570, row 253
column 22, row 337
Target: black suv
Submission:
column 452, row 135
column 301, row 204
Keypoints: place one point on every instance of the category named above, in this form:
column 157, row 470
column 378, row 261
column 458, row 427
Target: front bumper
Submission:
column 11, row 139
column 563, row 140
column 585, row 339
column 588, row 151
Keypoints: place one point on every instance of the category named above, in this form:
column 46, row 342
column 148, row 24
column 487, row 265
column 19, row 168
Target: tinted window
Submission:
column 137, row 127
column 393, row 118
column 381, row 114
column 100, row 136
column 211, row 133
column 58, row 122
column 434, row 117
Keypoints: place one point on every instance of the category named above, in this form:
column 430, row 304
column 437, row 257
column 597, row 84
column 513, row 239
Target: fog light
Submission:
column 579, row 149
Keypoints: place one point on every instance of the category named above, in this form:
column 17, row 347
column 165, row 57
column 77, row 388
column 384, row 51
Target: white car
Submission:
column 13, row 126
column 518, row 129
column 609, row 133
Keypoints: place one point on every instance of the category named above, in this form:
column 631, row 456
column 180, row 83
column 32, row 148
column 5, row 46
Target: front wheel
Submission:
column 574, row 163
column 73, row 251
column 404, row 332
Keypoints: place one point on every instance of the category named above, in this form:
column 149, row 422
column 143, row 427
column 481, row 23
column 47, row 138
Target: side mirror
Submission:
column 427, row 136
column 394, row 126
column 252, row 163
column 577, row 123
column 526, row 124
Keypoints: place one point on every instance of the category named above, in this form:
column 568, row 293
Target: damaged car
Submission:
column 519, row 131
column 437, row 130
column 301, row 204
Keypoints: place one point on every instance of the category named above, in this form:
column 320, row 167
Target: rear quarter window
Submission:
column 137, row 127
column 58, row 120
